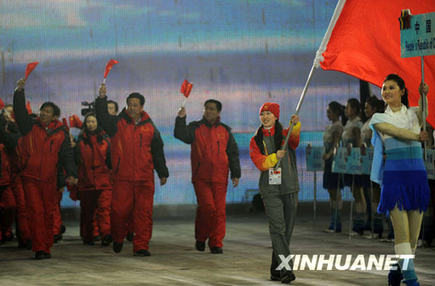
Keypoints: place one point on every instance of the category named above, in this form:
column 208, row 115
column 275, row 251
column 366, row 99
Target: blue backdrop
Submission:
column 242, row 53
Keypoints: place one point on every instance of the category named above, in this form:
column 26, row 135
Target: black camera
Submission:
column 89, row 107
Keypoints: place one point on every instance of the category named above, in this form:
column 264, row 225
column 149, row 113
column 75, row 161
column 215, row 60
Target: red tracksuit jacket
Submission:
column 92, row 154
column 42, row 148
column 136, row 149
column 213, row 150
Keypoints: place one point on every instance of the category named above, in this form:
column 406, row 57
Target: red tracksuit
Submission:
column 42, row 149
column 213, row 153
column 92, row 154
column 7, row 200
column 136, row 149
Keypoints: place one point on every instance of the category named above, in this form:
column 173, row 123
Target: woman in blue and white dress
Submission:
column 399, row 168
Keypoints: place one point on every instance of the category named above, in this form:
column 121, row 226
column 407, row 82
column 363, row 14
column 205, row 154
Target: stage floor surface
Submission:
column 174, row 260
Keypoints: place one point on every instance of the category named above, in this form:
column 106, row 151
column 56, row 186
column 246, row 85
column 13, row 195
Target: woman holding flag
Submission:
column 399, row 168
column 279, row 190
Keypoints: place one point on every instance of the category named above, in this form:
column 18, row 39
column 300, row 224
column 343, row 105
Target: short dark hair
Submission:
column 115, row 103
column 217, row 102
column 56, row 109
column 138, row 96
column 401, row 83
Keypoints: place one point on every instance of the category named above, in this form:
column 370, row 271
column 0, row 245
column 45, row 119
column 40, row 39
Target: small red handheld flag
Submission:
column 2, row 104
column 186, row 88
column 109, row 66
column 74, row 121
column 30, row 67
column 29, row 108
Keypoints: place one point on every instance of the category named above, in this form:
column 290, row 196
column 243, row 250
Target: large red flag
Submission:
column 186, row 88
column 109, row 66
column 365, row 43
column 29, row 68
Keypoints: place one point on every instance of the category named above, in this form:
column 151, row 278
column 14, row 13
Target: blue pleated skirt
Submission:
column 404, row 183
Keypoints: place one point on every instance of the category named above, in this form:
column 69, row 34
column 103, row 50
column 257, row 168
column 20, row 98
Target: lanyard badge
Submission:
column 275, row 176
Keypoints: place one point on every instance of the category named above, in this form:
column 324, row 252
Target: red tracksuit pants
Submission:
column 210, row 213
column 57, row 217
column 95, row 208
column 7, row 211
column 41, row 199
column 22, row 210
column 135, row 199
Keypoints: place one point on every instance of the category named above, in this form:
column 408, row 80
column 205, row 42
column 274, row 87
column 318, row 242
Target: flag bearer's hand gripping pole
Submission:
column 298, row 107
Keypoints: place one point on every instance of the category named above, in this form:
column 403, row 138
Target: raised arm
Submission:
column 107, row 122
column 182, row 131
column 22, row 117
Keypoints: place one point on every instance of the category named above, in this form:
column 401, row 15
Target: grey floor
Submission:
column 174, row 260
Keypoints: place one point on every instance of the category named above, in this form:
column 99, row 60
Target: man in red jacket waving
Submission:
column 213, row 152
column 137, row 149
column 43, row 148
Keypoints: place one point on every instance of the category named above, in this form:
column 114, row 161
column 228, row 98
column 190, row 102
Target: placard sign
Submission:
column 417, row 35
column 353, row 162
column 339, row 162
column 366, row 160
column 314, row 158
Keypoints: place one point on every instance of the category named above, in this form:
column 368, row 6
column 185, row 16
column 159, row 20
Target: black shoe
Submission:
column 200, row 245
column 57, row 237
column 117, row 246
column 275, row 276
column 395, row 276
column 47, row 255
column 41, row 255
column 97, row 238
column 106, row 240
column 130, row 236
column 216, row 250
column 142, row 252
column 287, row 276
column 89, row 242
column 62, row 229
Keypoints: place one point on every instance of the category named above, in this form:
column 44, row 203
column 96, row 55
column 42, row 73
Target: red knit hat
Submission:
column 272, row 107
